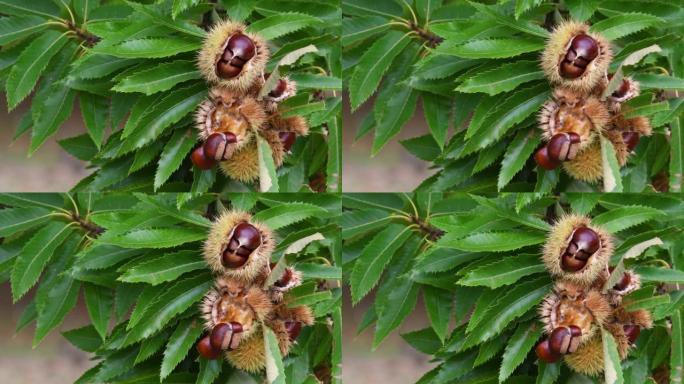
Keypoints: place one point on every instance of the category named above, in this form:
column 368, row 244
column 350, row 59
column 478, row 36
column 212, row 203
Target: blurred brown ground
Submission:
column 50, row 169
column 393, row 169
column 54, row 361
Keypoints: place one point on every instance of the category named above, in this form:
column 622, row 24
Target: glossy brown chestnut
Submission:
column 246, row 238
column 285, row 279
column 583, row 244
column 622, row 89
column 239, row 50
column 288, row 139
column 544, row 352
column 542, row 158
column 624, row 282
column 582, row 50
column 217, row 145
column 200, row 160
column 564, row 339
column 293, row 329
column 563, row 146
column 632, row 332
column 631, row 140
column 205, row 349
column 220, row 336
column 279, row 89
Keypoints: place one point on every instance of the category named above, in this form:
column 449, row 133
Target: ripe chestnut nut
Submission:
column 583, row 243
column 205, row 349
column 288, row 139
column 217, row 145
column 245, row 239
column 631, row 140
column 239, row 50
column 624, row 282
column 285, row 279
column 544, row 352
column 293, row 329
column 200, row 159
column 220, row 336
column 542, row 158
column 622, row 89
column 563, row 146
column 564, row 339
column 632, row 332
column 279, row 89
column 581, row 51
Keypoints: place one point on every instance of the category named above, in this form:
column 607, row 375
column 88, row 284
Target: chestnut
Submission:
column 542, row 158
column 220, row 336
column 279, row 89
column 622, row 89
column 632, row 332
column 544, row 352
column 631, row 140
column 583, row 243
column 239, row 50
column 205, row 349
column 288, row 139
column 200, row 160
column 217, row 145
column 285, row 279
column 624, row 282
column 563, row 146
column 293, row 329
column 582, row 50
column 564, row 339
column 245, row 239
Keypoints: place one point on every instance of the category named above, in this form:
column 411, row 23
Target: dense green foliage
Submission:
column 476, row 262
column 131, row 67
column 138, row 262
column 475, row 69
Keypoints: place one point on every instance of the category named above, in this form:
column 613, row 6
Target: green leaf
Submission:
column 394, row 308
column 84, row 338
column 494, row 48
column 677, row 354
column 363, row 220
column 94, row 66
column 439, row 304
column 30, row 65
column 521, row 25
column 583, row 203
column 513, row 304
column 424, row 340
column 20, row 7
column 81, row 147
column 516, row 156
column 209, row 371
column 103, row 256
column 180, row 342
column 14, row 220
column 181, row 5
column 164, row 267
column 676, row 169
column 151, row 346
column 651, row 81
column 17, row 27
column 169, row 110
column 502, row 79
column 373, row 64
column 282, row 24
column 171, row 302
column 518, row 347
column 99, row 302
column 159, row 78
column 286, row 214
column 495, row 241
column 61, row 299
column 625, row 24
column 423, row 147
column 621, row 218
column 172, row 156
column 612, row 369
column 94, row 110
column 35, row 255
column 399, row 109
column 374, row 258
column 149, row 48
column 275, row 371
column 612, row 179
column 360, row 28
column 664, row 275
column 268, row 179
column 437, row 111
column 438, row 259
column 156, row 238
column 502, row 272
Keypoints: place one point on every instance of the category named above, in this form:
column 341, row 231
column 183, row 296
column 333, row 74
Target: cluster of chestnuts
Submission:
column 576, row 254
column 238, row 108
column 576, row 63
column 242, row 301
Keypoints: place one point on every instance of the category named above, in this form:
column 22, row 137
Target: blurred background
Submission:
column 394, row 169
column 54, row 361
column 50, row 169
